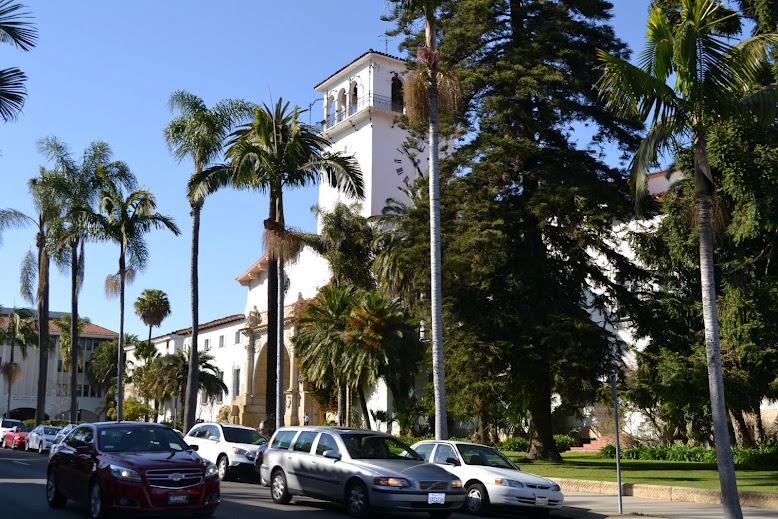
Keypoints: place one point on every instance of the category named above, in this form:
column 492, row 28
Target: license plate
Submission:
column 177, row 499
column 436, row 499
column 541, row 501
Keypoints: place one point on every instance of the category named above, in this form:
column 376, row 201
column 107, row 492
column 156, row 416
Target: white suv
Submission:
column 232, row 448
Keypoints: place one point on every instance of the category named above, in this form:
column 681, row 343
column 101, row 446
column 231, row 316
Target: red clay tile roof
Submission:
column 211, row 324
column 89, row 329
column 371, row 51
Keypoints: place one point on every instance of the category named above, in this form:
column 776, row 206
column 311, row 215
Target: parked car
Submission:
column 41, row 437
column 131, row 467
column 59, row 437
column 16, row 437
column 7, row 423
column 491, row 479
column 233, row 448
column 365, row 470
column 259, row 457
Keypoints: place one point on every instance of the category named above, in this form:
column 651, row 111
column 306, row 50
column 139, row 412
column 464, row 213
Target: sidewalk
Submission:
column 598, row 506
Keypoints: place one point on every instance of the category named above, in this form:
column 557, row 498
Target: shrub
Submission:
column 563, row 442
column 609, row 451
column 515, row 445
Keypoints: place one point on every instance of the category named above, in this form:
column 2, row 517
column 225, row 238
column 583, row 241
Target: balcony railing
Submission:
column 372, row 101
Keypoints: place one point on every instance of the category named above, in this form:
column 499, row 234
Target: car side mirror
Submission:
column 332, row 454
column 452, row 461
column 194, row 447
column 84, row 449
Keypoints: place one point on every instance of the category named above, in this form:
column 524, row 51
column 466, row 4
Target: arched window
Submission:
column 354, row 100
column 397, row 95
column 329, row 119
column 341, row 104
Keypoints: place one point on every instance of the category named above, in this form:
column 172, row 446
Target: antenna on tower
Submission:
column 386, row 42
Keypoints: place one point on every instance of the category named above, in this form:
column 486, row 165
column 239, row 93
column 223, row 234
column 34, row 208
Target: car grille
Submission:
column 174, row 478
column 433, row 485
column 530, row 501
column 538, row 487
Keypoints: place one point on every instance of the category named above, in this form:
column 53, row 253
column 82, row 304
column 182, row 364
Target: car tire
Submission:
column 40, row 447
column 223, row 464
column 476, row 500
column 278, row 490
column 53, row 496
column 26, row 446
column 13, row 445
column 357, row 500
column 96, row 501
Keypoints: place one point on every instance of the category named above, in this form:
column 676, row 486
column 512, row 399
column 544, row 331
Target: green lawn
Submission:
column 582, row 465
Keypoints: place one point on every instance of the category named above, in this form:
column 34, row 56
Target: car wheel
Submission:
column 223, row 464
column 477, row 500
column 278, row 489
column 13, row 445
column 96, row 501
column 53, row 495
column 357, row 500
column 26, row 446
column 40, row 447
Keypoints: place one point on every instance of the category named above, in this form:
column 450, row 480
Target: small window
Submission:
column 207, row 344
column 304, row 442
column 425, row 450
column 237, row 337
column 444, row 452
column 282, row 439
column 326, row 443
column 235, row 382
column 221, row 341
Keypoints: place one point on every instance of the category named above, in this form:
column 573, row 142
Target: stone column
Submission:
column 293, row 395
column 250, row 352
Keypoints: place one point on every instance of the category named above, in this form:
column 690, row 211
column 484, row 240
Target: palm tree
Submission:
column 714, row 81
column 102, row 368
column 77, row 185
column 16, row 29
column 152, row 306
column 198, row 133
column 428, row 56
column 48, row 212
column 276, row 152
column 19, row 331
column 125, row 221
column 66, row 350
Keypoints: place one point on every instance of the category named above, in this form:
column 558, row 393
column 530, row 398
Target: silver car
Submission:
column 41, row 438
column 365, row 470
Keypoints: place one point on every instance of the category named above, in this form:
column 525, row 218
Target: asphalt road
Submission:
column 23, row 485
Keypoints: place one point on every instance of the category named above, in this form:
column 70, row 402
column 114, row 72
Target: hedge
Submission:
column 765, row 454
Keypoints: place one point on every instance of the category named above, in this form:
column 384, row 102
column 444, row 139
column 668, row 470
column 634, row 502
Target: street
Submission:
column 22, row 494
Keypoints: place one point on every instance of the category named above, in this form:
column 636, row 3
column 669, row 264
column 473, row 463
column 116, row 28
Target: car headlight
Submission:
column 124, row 473
column 391, row 482
column 456, row 483
column 555, row 488
column 211, row 471
column 508, row 483
column 243, row 452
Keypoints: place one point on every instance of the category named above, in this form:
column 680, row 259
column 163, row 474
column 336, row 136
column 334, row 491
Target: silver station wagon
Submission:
column 365, row 470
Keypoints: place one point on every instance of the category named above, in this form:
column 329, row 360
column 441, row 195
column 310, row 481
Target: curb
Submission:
column 666, row 493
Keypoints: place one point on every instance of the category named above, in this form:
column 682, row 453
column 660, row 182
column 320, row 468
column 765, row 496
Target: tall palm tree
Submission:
column 18, row 331
column 125, row 221
column 198, row 133
column 16, row 29
column 35, row 267
column 714, row 81
column 276, row 152
column 77, row 185
column 428, row 56
column 65, row 324
column 152, row 307
column 102, row 368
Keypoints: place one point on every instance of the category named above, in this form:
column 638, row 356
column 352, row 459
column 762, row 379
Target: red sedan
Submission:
column 131, row 467
column 16, row 437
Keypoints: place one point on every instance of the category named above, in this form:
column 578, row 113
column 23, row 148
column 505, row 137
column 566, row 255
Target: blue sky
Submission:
column 104, row 70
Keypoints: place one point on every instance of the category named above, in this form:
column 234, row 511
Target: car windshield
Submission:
column 50, row 431
column 140, row 439
column 369, row 446
column 241, row 435
column 9, row 423
column 486, row 456
column 23, row 428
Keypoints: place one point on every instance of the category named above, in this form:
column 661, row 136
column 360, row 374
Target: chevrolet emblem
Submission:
column 176, row 476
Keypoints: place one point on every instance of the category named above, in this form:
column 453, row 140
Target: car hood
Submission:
column 156, row 460
column 495, row 472
column 410, row 469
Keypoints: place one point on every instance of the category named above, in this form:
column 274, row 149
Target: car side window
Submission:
column 304, row 442
column 79, row 437
column 425, row 450
column 444, row 451
column 282, row 439
column 326, row 443
column 197, row 432
column 214, row 431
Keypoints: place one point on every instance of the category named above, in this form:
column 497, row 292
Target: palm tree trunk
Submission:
column 10, row 382
column 43, row 329
column 74, row 332
column 341, row 403
column 363, row 405
column 272, row 315
column 729, row 494
column 120, row 353
column 760, row 437
column 441, row 426
column 280, row 320
column 192, row 377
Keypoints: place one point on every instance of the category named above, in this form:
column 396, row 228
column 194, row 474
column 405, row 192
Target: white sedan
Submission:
column 41, row 438
column 491, row 479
